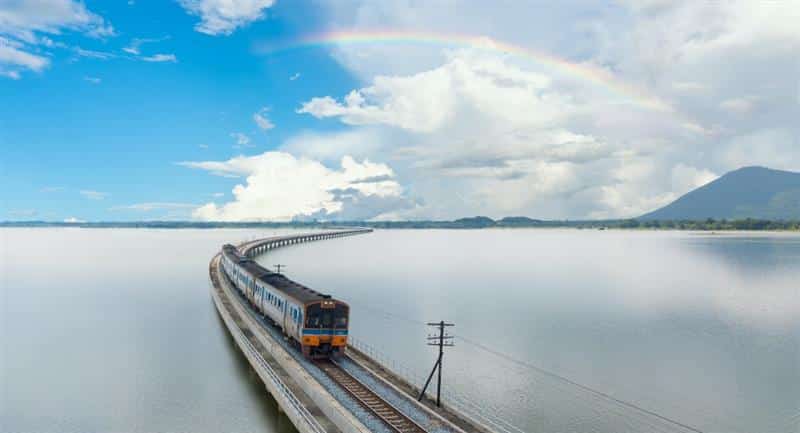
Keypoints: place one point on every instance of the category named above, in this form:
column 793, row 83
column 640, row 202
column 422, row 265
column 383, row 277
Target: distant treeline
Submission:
column 478, row 222
column 712, row 224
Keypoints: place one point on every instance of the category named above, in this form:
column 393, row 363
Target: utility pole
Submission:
column 442, row 340
column 278, row 268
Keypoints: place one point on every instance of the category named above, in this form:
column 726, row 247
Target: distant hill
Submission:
column 749, row 192
column 474, row 222
column 519, row 221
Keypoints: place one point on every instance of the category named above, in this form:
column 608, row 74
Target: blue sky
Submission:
column 63, row 133
column 150, row 110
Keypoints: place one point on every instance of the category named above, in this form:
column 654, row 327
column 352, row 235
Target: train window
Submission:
column 327, row 319
column 313, row 316
column 341, row 313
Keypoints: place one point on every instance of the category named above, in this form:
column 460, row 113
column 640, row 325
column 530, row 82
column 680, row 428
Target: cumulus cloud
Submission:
column 484, row 131
column 482, row 134
column 223, row 17
column 281, row 187
column 420, row 102
column 261, row 119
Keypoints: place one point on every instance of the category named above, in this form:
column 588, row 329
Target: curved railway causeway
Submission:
column 354, row 394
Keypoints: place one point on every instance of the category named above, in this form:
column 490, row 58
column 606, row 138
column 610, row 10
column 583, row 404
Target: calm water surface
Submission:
column 114, row 330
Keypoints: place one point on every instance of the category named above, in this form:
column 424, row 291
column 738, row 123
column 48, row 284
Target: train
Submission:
column 312, row 321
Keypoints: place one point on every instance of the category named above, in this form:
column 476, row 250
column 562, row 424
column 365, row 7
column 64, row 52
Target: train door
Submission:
column 295, row 321
column 298, row 322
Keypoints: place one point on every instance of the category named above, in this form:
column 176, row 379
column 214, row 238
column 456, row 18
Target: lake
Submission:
column 556, row 330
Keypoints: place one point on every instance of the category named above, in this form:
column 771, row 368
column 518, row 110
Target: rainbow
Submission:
column 581, row 71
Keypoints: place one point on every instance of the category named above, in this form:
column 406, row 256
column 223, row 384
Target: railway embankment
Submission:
column 314, row 397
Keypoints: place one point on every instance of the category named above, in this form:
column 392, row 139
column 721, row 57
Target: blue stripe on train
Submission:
column 324, row 332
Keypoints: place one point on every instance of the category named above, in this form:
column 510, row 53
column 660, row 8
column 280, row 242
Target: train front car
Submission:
column 325, row 328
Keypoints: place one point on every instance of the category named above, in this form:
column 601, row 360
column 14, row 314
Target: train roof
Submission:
column 297, row 291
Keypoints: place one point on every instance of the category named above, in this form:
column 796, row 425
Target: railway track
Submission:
column 391, row 416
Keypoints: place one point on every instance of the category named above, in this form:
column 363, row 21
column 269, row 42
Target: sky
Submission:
column 248, row 110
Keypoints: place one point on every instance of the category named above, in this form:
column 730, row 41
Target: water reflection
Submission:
column 115, row 330
column 672, row 321
column 270, row 414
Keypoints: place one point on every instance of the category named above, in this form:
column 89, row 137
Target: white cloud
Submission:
column 93, row 80
column 73, row 220
column 93, row 54
column 23, row 18
column 222, row 17
column 260, row 117
column 686, row 178
column 242, row 140
column 484, row 131
column 11, row 56
column 281, row 187
column 93, row 195
column 769, row 147
column 481, row 134
column 398, row 101
column 14, row 75
column 160, row 58
column 295, row 76
column 22, row 24
column 134, row 47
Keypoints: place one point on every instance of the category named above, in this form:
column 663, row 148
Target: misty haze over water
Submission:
column 115, row 330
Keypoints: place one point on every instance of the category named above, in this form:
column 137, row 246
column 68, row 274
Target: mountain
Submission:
column 519, row 221
column 749, row 192
column 474, row 222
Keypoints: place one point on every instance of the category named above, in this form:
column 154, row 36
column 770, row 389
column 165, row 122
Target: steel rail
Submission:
column 395, row 419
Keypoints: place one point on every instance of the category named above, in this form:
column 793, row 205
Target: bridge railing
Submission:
column 254, row 247
column 478, row 412
column 296, row 406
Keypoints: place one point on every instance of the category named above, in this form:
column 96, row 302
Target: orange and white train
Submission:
column 315, row 322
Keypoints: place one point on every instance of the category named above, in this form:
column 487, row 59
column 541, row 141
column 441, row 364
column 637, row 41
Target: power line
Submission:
column 578, row 385
column 556, row 376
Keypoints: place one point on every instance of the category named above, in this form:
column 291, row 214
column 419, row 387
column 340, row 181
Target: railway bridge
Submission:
column 356, row 394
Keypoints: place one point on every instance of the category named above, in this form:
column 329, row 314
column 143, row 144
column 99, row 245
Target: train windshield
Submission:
column 340, row 314
column 317, row 317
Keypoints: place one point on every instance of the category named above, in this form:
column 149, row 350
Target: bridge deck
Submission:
column 322, row 400
column 224, row 302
